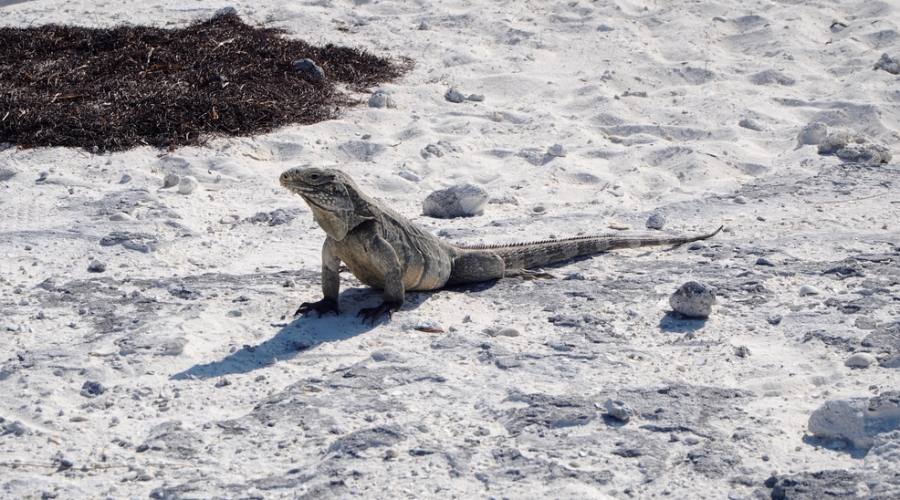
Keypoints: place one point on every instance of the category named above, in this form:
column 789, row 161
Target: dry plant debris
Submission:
column 113, row 89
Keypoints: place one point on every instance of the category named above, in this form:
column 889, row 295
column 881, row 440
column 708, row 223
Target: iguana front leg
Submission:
column 331, row 283
column 385, row 262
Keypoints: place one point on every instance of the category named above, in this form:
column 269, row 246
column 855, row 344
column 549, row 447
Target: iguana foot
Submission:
column 371, row 314
column 321, row 307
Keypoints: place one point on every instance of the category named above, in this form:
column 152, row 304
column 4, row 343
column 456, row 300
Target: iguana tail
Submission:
column 536, row 254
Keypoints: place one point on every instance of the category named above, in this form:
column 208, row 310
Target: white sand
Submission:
column 644, row 96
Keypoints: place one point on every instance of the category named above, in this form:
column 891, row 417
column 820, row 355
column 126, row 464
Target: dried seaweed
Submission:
column 113, row 89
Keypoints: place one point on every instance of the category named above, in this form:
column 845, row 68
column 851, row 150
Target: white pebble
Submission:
column 187, row 185
column 809, row 290
column 120, row 217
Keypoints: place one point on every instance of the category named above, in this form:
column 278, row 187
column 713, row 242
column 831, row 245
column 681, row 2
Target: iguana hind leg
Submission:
column 475, row 267
column 384, row 260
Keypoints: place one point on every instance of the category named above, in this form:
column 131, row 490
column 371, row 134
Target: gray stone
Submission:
column 889, row 64
column 866, row 154
column 309, row 69
column 693, row 299
column 837, row 141
column 656, row 221
column 556, row 150
column 381, row 99
column 619, row 410
column 461, row 200
column 92, row 389
column 812, row 134
column 861, row 360
column 454, row 96
column 475, row 97
column 96, row 266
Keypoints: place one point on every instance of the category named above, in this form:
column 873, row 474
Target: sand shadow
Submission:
column 300, row 335
column 674, row 322
column 836, row 445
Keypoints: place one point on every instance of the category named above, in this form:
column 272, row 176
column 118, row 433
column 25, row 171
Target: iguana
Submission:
column 385, row 250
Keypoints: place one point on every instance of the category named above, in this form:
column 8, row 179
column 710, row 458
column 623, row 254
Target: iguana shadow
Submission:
column 300, row 335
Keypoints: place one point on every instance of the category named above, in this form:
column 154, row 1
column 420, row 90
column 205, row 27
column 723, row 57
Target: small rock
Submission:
column 125, row 179
column 774, row 319
column 618, row 410
column 455, row 96
column 762, row 261
column 751, row 124
column 15, row 428
column 187, row 185
column 861, row 360
column 836, row 141
column 225, row 11
column 806, row 290
column 91, row 389
column 381, row 99
column 120, row 217
column 235, row 313
column 866, row 154
column 656, row 221
column 309, row 69
column 461, row 200
column 888, row 64
column 475, row 97
column 223, row 382
column 556, row 150
column 96, row 266
column 812, row 134
column 428, row 326
column 742, row 351
column 740, row 200
column 171, row 180
column 423, row 26
column 693, row 299
column 508, row 332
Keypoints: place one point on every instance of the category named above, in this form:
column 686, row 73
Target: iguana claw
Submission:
column 321, row 307
column 371, row 314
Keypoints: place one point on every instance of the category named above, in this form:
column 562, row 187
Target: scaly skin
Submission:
column 386, row 251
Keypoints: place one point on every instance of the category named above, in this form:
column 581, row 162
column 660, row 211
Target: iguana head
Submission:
column 332, row 195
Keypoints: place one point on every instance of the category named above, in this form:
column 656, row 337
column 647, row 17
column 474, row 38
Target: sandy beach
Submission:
column 179, row 371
